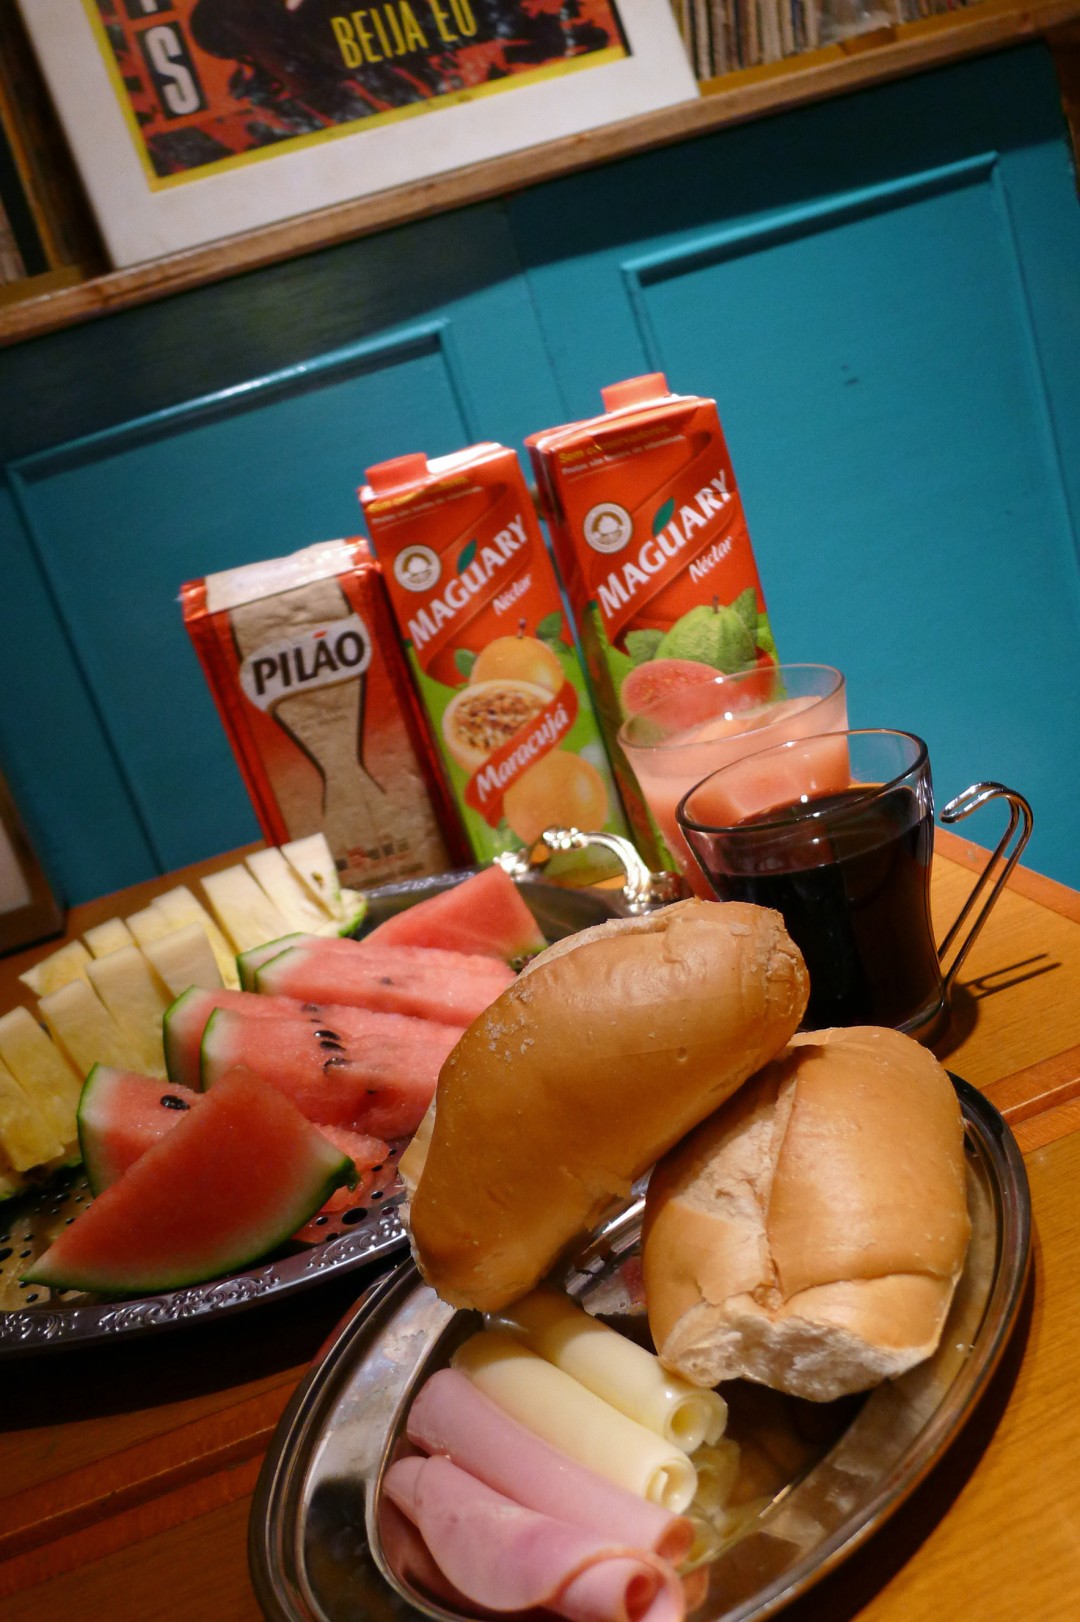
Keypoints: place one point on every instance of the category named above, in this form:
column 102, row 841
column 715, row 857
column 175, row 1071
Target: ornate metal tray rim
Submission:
column 317, row 1424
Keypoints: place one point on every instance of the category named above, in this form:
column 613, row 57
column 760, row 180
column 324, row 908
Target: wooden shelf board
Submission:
column 868, row 59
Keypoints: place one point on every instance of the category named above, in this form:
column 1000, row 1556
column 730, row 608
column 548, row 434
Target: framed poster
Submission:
column 191, row 120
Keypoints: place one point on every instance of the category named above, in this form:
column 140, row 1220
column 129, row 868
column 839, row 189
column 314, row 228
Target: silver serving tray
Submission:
column 34, row 1318
column 314, row 1548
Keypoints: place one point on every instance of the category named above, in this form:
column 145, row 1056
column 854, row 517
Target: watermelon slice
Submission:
column 377, row 1077
column 234, row 1179
column 255, row 956
column 122, row 1114
column 449, row 987
column 185, row 1020
column 484, row 914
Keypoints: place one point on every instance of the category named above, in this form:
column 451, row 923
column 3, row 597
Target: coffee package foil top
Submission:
column 649, row 533
column 479, row 608
column 309, row 680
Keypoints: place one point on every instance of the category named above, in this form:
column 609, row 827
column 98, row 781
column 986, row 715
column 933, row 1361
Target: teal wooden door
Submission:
column 883, row 294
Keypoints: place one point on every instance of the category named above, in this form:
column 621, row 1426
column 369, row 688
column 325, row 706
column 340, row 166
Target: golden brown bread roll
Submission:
column 810, row 1234
column 608, row 1047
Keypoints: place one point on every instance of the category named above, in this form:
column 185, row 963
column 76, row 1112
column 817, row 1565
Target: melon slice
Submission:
column 484, row 914
column 108, row 937
column 178, row 907
column 311, row 859
column 184, row 1022
column 121, row 1113
column 25, row 1137
column 372, row 1073
column 234, row 1179
column 136, row 999
column 300, row 909
column 67, row 963
column 184, row 957
column 245, row 913
column 451, row 988
column 42, row 1070
column 82, row 1025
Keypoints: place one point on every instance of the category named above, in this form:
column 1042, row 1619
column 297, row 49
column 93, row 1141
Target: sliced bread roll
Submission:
column 607, row 1048
column 810, row 1234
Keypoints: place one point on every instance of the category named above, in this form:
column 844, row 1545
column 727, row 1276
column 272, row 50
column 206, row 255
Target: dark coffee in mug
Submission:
column 850, row 872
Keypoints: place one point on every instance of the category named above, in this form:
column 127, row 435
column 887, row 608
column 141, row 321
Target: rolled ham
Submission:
column 503, row 1557
column 451, row 1415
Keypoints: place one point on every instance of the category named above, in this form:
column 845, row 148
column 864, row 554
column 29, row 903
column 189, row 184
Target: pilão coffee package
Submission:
column 307, row 674
column 478, row 606
column 650, row 538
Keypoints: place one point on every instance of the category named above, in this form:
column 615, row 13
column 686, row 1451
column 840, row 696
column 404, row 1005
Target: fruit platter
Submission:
column 239, row 1080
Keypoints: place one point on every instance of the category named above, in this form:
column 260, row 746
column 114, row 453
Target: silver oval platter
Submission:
column 35, row 1319
column 314, row 1545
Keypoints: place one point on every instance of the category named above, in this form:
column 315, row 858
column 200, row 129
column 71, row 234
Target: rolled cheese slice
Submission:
column 624, row 1374
column 580, row 1424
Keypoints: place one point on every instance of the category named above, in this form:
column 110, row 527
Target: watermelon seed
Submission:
column 32, row 1297
column 171, row 1101
column 331, row 1036
column 336, row 1059
column 4, row 1254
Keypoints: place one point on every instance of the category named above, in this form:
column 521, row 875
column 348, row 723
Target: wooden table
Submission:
column 126, row 1471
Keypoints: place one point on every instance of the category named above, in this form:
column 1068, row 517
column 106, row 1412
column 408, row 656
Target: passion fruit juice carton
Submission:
column 303, row 662
column 479, row 609
column 650, row 538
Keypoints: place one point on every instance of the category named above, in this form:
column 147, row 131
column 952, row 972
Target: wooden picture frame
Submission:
column 193, row 120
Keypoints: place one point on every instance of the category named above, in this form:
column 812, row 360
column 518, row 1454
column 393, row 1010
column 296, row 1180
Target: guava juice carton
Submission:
column 303, row 662
column 478, row 606
column 650, row 539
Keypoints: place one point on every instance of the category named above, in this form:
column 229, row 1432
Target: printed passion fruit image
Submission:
column 485, row 714
column 519, row 658
column 561, row 789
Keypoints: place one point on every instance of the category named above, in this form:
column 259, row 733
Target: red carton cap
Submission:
column 635, row 391
column 398, row 471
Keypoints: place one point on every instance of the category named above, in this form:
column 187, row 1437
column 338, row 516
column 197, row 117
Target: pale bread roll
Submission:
column 810, row 1234
column 608, row 1047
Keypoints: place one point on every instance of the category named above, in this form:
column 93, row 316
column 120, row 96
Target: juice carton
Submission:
column 478, row 605
column 307, row 674
column 650, row 538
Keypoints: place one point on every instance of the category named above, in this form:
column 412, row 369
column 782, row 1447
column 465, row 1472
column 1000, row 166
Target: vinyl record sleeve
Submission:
column 192, row 120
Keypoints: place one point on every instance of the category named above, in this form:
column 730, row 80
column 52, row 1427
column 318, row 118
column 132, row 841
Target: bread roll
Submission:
column 608, row 1047
column 810, row 1234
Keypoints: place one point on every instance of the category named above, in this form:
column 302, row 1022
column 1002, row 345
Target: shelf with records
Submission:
column 751, row 58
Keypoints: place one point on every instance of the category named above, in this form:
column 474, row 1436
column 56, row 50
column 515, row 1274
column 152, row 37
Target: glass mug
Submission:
column 836, row 832
column 680, row 737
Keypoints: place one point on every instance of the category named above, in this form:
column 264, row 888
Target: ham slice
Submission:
column 503, row 1557
column 451, row 1416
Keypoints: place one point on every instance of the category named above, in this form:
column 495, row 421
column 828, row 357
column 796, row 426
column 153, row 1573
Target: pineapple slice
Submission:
column 84, row 1028
column 180, row 906
column 136, row 999
column 42, row 1070
column 108, row 937
column 246, row 914
column 298, row 905
column 67, row 963
column 25, row 1136
column 183, row 958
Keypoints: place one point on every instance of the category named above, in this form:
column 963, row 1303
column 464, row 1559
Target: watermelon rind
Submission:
column 155, row 1203
column 248, row 963
column 185, row 1016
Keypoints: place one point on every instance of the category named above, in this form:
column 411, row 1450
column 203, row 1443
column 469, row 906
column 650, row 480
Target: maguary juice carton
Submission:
column 479, row 610
column 304, row 664
column 650, row 539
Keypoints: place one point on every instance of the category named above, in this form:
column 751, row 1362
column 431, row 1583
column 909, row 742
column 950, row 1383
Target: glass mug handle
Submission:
column 1020, row 817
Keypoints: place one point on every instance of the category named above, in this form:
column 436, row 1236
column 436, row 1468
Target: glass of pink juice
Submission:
column 692, row 731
